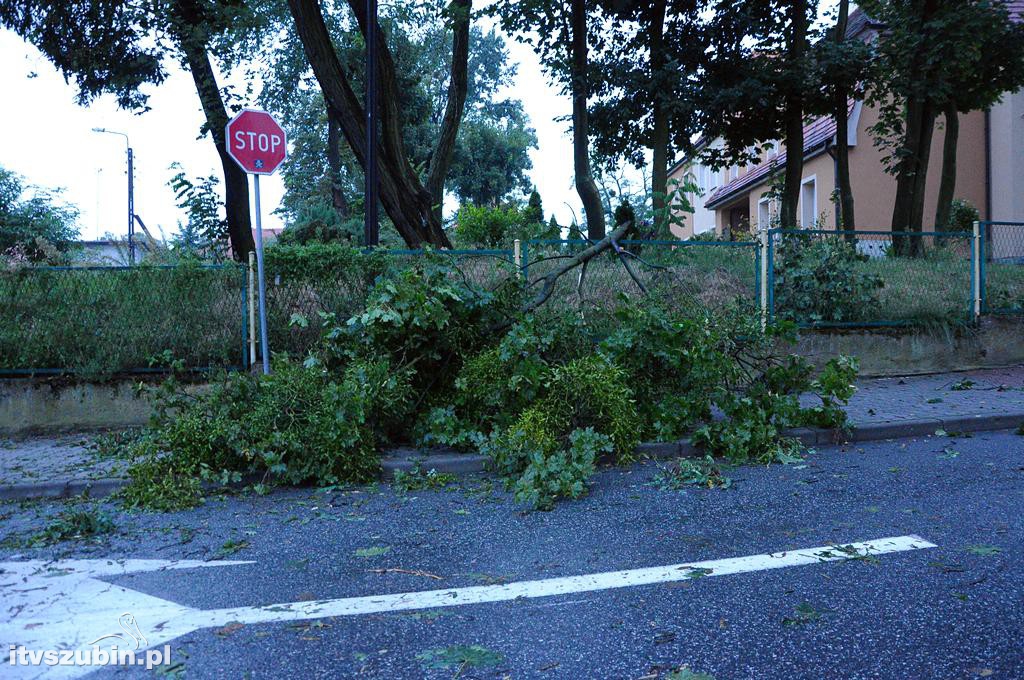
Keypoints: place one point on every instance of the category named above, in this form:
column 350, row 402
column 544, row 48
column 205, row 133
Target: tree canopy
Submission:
column 35, row 224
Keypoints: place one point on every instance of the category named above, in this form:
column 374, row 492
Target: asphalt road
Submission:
column 953, row 611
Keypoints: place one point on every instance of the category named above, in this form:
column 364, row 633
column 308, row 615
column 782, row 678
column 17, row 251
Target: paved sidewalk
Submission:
column 940, row 396
column 882, row 408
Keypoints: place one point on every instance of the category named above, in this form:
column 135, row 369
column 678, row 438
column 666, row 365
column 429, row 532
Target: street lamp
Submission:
column 131, row 191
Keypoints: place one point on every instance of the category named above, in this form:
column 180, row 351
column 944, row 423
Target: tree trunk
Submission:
column 338, row 201
column 407, row 202
column 847, row 220
column 660, row 128
column 947, row 183
column 912, row 171
column 192, row 41
column 794, row 117
column 586, row 187
column 444, row 149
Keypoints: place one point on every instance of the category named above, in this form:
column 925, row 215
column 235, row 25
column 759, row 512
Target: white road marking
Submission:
column 62, row 605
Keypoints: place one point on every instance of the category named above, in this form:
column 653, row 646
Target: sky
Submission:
column 48, row 139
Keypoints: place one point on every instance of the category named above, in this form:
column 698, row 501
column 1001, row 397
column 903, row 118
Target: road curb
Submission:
column 455, row 463
column 94, row 488
column 452, row 462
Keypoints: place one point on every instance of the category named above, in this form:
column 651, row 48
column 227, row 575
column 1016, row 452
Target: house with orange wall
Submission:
column 990, row 169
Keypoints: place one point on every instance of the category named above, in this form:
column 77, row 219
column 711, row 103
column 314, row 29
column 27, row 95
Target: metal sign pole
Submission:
column 264, row 349
column 131, row 205
column 252, row 308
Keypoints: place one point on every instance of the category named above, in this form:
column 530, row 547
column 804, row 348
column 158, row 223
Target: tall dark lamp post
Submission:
column 131, row 191
column 371, row 227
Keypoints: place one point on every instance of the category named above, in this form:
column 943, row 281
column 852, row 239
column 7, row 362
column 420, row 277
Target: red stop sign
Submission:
column 256, row 142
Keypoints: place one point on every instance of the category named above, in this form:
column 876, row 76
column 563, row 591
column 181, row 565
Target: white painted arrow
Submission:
column 64, row 605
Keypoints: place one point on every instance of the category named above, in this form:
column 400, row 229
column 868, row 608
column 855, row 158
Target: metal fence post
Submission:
column 252, row 309
column 763, row 275
column 976, row 271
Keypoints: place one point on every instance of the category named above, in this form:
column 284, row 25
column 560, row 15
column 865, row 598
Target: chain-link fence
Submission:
column 297, row 297
column 824, row 278
column 100, row 321
column 677, row 273
column 1002, row 267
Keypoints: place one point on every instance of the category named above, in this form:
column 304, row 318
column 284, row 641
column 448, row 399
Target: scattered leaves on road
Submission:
column 75, row 525
column 375, row 551
column 459, row 656
column 230, row 547
column 946, row 568
column 411, row 572
column 803, row 613
column 227, row 630
column 984, row 550
column 686, row 674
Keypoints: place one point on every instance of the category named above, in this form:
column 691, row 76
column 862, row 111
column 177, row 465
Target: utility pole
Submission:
column 131, row 205
column 131, row 191
column 371, row 227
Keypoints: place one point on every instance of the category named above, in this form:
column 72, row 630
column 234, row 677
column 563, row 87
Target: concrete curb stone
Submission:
column 452, row 462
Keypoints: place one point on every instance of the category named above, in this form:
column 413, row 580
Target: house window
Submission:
column 764, row 215
column 767, row 211
column 808, row 202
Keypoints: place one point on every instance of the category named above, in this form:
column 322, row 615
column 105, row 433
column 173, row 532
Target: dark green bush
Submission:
column 297, row 425
column 962, row 215
column 671, row 358
column 101, row 322
column 498, row 227
column 821, row 278
column 561, row 474
column 499, row 382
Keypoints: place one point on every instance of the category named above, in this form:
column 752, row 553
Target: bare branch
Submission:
column 549, row 280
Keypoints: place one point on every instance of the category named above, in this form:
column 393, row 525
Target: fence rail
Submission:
column 108, row 320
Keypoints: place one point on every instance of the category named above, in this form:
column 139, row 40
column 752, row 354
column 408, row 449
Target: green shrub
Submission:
column 435, row 359
column 592, row 392
column 563, row 473
column 822, row 279
column 498, row 227
column 499, row 382
column 962, row 215
column 296, row 425
column 671, row 359
column 535, row 432
column 440, row 426
column 835, row 387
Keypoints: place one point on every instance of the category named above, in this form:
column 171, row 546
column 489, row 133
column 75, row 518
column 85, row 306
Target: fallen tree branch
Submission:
column 549, row 280
column 628, row 267
column 411, row 572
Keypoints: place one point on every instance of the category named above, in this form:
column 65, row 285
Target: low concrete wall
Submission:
column 996, row 343
column 48, row 406
column 30, row 406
